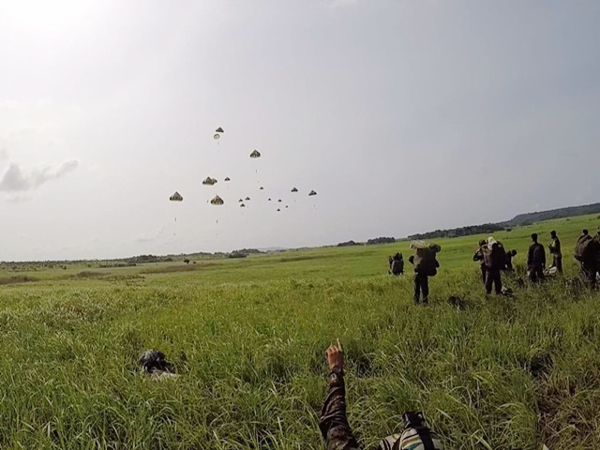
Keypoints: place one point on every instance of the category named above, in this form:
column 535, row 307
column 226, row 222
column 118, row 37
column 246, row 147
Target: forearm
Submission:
column 333, row 421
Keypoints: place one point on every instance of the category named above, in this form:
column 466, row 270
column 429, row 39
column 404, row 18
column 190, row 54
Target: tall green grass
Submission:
column 248, row 339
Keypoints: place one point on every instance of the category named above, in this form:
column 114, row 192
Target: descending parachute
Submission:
column 255, row 154
column 216, row 136
column 312, row 193
column 209, row 181
column 176, row 197
column 279, row 201
column 278, row 210
column 247, row 199
column 242, row 206
column 217, row 201
column 269, row 199
column 227, row 179
column 219, row 130
column 262, row 188
column 286, row 206
column 240, row 200
column 294, row 190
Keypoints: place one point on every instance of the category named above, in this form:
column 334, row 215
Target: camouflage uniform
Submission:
column 333, row 421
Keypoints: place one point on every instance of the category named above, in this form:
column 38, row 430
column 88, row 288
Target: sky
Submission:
column 404, row 117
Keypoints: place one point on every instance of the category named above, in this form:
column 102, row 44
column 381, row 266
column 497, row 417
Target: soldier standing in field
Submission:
column 556, row 252
column 587, row 252
column 494, row 258
column 536, row 260
column 478, row 256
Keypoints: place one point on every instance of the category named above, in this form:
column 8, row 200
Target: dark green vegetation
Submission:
column 248, row 336
column 519, row 220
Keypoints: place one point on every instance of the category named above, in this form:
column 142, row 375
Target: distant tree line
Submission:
column 381, row 240
column 462, row 231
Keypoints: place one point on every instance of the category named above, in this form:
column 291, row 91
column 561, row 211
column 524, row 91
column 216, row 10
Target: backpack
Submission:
column 495, row 257
column 538, row 255
column 397, row 266
column 585, row 248
column 425, row 259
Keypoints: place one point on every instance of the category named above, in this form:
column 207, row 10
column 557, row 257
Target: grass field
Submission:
column 248, row 338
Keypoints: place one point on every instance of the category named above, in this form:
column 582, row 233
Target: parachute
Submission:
column 216, row 136
column 247, row 199
column 242, row 206
column 279, row 201
column 312, row 193
column 262, row 188
column 278, row 210
column 240, row 200
column 217, row 201
column 269, row 200
column 209, row 181
column 286, row 206
column 219, row 130
column 227, row 179
column 294, row 190
column 176, row 197
column 255, row 154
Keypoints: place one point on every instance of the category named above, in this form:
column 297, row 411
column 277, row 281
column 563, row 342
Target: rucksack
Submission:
column 585, row 248
column 425, row 259
column 397, row 266
column 494, row 258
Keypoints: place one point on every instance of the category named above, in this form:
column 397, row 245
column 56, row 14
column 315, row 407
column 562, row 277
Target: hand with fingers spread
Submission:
column 335, row 356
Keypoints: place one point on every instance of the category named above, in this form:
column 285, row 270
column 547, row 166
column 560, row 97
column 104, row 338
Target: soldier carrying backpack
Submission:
column 494, row 259
column 587, row 252
column 426, row 266
column 536, row 260
column 396, row 264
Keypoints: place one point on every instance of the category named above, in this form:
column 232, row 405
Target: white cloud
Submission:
column 14, row 180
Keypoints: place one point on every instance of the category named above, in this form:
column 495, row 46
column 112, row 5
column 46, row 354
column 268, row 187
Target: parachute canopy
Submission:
column 294, row 190
column 209, row 181
column 269, row 199
column 219, row 130
column 262, row 188
column 217, row 136
column 217, row 200
column 240, row 200
column 278, row 210
column 255, row 154
column 242, row 206
column 227, row 179
column 247, row 199
column 279, row 201
column 176, row 197
column 312, row 193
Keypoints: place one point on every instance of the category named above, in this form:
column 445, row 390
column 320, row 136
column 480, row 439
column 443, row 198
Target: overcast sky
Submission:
column 404, row 116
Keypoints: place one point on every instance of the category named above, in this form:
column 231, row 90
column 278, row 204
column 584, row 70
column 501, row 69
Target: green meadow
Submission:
column 248, row 336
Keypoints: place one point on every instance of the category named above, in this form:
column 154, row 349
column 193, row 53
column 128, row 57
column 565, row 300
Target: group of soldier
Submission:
column 495, row 260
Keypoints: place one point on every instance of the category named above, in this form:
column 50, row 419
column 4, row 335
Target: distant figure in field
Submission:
column 555, row 251
column 426, row 266
column 508, row 266
column 396, row 264
column 587, row 252
column 334, row 425
column 536, row 260
column 478, row 256
column 494, row 258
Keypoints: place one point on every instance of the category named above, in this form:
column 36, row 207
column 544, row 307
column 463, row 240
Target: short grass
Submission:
column 248, row 338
